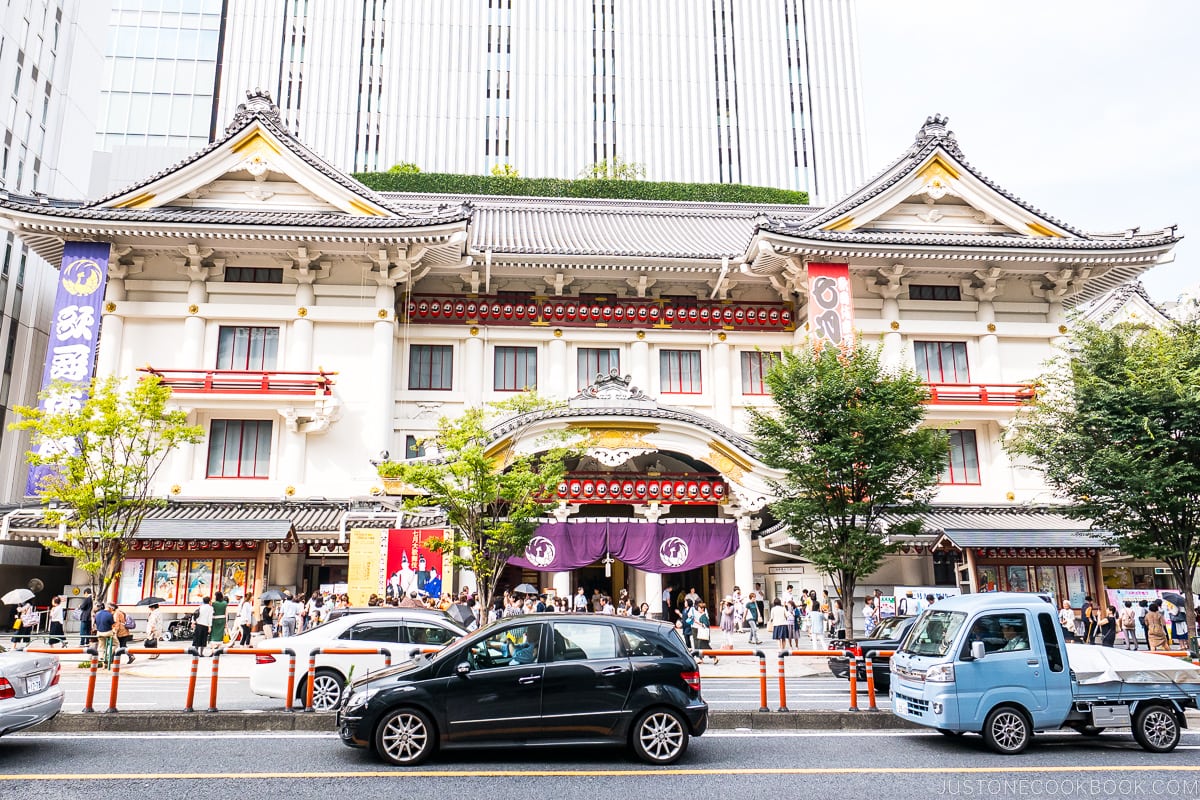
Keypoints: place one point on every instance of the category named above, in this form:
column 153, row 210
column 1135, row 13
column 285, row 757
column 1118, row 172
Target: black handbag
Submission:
column 150, row 643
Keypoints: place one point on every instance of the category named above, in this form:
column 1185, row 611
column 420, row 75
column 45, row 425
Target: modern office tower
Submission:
column 49, row 57
column 761, row 92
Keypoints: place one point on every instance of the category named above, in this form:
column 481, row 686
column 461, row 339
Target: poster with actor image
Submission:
column 411, row 566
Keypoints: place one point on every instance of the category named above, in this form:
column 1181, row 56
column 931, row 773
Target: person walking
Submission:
column 579, row 604
column 219, row 607
column 837, row 625
column 727, row 626
column 816, row 628
column 1127, row 621
column 687, row 623
column 57, row 619
column 267, row 617
column 104, row 635
column 795, row 624
column 121, row 630
column 781, row 630
column 753, row 618
column 870, row 616
column 1140, row 612
column 703, row 631
column 289, row 614
column 154, row 628
column 1156, row 631
column 26, row 621
column 1090, row 620
column 204, row 621
column 1066, row 619
column 1108, row 628
column 86, row 638
column 245, row 619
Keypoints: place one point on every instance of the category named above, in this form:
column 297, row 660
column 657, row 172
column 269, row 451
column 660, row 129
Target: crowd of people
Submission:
column 1146, row 622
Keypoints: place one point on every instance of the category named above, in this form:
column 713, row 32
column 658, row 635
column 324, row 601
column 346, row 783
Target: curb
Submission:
column 281, row 721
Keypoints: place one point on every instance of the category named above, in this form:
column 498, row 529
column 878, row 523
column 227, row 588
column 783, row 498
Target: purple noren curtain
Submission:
column 660, row 547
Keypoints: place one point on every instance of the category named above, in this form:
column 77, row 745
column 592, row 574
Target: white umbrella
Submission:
column 16, row 596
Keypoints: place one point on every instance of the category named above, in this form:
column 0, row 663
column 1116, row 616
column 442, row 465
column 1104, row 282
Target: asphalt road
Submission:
column 727, row 764
column 140, row 693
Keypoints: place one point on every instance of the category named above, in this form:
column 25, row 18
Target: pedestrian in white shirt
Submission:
column 245, row 619
column 204, row 620
column 289, row 615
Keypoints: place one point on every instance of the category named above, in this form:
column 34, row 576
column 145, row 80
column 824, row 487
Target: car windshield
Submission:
column 933, row 633
column 888, row 628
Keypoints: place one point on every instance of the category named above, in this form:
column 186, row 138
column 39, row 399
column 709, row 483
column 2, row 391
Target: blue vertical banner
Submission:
column 74, row 332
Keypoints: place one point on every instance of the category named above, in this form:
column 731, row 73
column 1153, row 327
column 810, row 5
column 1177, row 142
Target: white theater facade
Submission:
column 309, row 323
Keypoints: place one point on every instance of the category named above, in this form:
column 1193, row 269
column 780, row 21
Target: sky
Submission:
column 1089, row 110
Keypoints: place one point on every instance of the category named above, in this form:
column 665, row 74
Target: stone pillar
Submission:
column 561, row 581
column 639, row 364
column 300, row 348
column 112, row 325
column 983, row 289
column 723, row 380
column 197, row 264
column 888, row 286
column 474, row 374
column 380, row 426
column 743, row 559
column 558, row 378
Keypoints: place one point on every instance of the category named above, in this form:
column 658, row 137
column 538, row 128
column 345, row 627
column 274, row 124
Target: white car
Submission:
column 29, row 689
column 400, row 630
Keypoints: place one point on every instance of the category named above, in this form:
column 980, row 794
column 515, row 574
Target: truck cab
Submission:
column 997, row 664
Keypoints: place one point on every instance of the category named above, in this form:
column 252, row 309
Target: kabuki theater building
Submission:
column 309, row 324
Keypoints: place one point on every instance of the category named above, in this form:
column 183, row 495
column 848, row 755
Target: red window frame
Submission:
column 680, row 372
column 515, row 369
column 962, row 462
column 755, row 365
column 239, row 448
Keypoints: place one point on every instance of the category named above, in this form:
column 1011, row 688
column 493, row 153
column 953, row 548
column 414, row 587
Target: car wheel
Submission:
column 1156, row 728
column 405, row 737
column 1007, row 731
column 327, row 690
column 660, row 736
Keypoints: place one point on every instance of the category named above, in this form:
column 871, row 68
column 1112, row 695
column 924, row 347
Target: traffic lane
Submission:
column 731, row 764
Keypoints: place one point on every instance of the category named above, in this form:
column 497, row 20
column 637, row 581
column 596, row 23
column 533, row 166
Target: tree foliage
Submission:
column 614, row 169
column 492, row 496
column 104, row 458
column 846, row 432
column 405, row 168
column 1116, row 430
column 505, row 171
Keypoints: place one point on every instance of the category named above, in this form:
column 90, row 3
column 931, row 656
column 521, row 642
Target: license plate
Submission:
column 33, row 684
column 900, row 706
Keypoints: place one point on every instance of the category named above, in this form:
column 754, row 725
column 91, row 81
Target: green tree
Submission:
column 614, row 169
column 1116, row 430
column 505, row 171
column 491, row 494
column 846, row 432
column 405, row 168
column 103, row 460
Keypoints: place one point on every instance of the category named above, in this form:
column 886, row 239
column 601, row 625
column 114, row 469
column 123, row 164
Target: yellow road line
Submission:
column 590, row 773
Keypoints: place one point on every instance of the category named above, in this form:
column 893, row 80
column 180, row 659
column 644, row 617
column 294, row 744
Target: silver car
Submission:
column 29, row 690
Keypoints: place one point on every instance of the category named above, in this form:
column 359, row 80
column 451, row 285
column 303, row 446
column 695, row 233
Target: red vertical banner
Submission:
column 411, row 566
column 830, row 304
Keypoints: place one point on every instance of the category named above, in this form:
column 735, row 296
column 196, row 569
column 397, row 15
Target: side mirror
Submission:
column 463, row 670
column 977, row 650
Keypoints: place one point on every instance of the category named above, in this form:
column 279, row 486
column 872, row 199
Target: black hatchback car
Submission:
column 537, row 679
column 888, row 635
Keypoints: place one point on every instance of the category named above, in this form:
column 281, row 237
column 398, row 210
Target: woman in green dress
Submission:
column 217, row 632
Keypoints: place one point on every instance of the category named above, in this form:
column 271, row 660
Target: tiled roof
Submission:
column 932, row 135
column 434, row 215
column 1093, row 242
column 259, row 107
column 1003, row 527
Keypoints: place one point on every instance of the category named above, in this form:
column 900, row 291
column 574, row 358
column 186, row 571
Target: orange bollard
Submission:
column 312, row 678
column 853, row 680
column 387, row 656
column 783, row 654
column 870, row 664
column 291, row 682
column 116, row 680
column 212, row 686
column 191, row 690
column 762, row 680
column 91, row 686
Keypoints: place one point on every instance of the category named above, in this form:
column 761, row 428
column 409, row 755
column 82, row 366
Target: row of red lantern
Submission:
column 1030, row 552
column 615, row 313
column 616, row 490
column 192, row 544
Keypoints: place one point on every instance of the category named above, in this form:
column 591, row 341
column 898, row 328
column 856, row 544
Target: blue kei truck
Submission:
column 998, row 664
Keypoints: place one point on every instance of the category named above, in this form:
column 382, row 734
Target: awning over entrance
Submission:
column 964, row 528
column 665, row 546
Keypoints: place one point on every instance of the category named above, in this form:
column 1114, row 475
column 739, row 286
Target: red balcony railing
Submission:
column 574, row 312
column 980, row 394
column 605, row 487
column 228, row 381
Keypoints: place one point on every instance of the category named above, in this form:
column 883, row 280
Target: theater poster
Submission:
column 411, row 566
column 830, row 304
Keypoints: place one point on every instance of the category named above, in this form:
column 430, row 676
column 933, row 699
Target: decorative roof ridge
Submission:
column 259, row 107
column 932, row 135
column 956, row 239
column 1110, row 303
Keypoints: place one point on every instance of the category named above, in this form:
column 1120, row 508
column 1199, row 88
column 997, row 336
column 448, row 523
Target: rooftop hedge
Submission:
column 445, row 183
